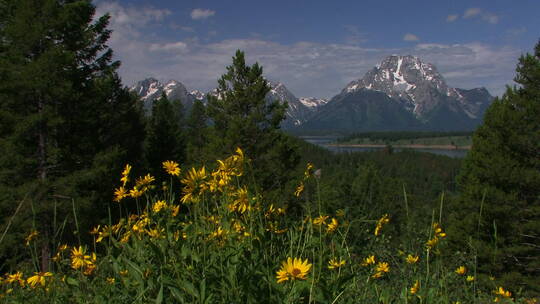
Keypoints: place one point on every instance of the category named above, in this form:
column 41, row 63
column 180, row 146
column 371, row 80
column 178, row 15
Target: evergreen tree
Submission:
column 67, row 125
column 165, row 138
column 197, row 132
column 243, row 118
column 498, row 216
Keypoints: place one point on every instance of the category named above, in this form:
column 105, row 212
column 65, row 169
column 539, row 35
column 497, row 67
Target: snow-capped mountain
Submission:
column 150, row 89
column 419, row 87
column 299, row 110
column 419, row 96
column 312, row 102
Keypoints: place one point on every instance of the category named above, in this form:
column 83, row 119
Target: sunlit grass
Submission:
column 220, row 242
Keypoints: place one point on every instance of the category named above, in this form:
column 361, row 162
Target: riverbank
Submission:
column 410, row 146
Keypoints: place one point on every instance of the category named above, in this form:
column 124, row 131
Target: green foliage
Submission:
column 243, row 118
column 498, row 216
column 197, row 130
column 224, row 246
column 165, row 138
column 65, row 119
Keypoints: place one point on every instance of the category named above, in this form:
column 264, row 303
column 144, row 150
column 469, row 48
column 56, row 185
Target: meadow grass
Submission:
column 206, row 237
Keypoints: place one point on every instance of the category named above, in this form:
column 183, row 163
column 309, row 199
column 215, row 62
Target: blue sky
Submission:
column 316, row 47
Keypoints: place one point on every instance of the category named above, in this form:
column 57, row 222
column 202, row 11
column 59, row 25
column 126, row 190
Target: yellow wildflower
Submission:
column 293, row 269
column 412, row 259
column 124, row 272
column 32, row 235
column 171, row 168
column 431, row 243
column 309, row 170
column 125, row 175
column 415, row 287
column 144, row 181
column 503, row 293
column 136, row 192
column 110, row 280
column 382, row 221
column 382, row 267
column 15, row 278
column 461, row 270
column 332, row 226
column 470, row 278
column 334, row 263
column 320, row 220
column 299, row 189
column 175, row 210
column 158, row 206
column 370, row 260
column 241, row 203
column 194, row 185
column 120, row 193
column 38, row 278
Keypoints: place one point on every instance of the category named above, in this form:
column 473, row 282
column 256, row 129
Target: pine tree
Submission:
column 243, row 118
column 67, row 125
column 498, row 216
column 197, row 124
column 165, row 139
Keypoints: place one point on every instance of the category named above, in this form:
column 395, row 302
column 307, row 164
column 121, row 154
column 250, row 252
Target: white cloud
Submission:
column 410, row 37
column 200, row 13
column 354, row 35
column 451, row 18
column 173, row 46
column 471, row 12
column 483, row 15
column 307, row 68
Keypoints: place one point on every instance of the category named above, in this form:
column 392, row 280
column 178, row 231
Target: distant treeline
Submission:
column 393, row 136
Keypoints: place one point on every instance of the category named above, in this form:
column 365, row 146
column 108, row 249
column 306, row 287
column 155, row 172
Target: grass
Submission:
column 207, row 237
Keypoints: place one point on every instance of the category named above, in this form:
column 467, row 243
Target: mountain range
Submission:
column 401, row 93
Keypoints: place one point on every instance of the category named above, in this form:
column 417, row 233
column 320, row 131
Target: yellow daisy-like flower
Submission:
column 293, row 269
column 175, row 210
column 299, row 189
column 120, row 193
column 503, row 293
column 124, row 272
column 461, row 270
column 38, row 278
column 111, row 280
column 414, row 289
column 125, row 175
column 332, row 226
column 370, row 260
column 171, row 168
column 320, row 220
column 470, row 278
column 382, row 221
column 412, row 259
column 382, row 267
column 335, row 264
column 32, row 235
column 309, row 170
column 432, row 243
column 135, row 192
column 241, row 203
column 15, row 278
column 194, row 185
column 158, row 206
column 144, row 181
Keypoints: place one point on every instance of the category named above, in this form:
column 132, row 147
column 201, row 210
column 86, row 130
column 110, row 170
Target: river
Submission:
column 327, row 141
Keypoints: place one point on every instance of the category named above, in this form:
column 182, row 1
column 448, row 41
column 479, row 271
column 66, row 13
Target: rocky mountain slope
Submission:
column 418, row 95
